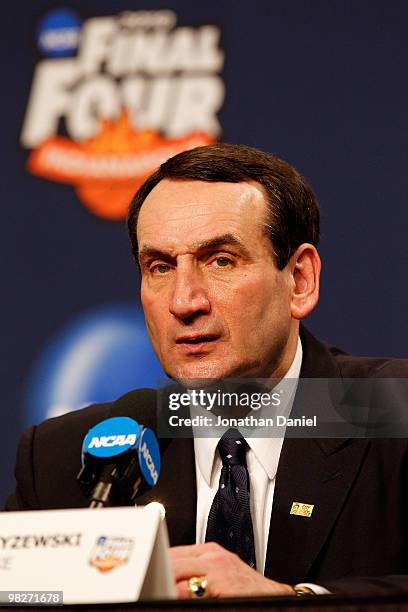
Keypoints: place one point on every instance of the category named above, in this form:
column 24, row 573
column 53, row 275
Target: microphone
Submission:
column 120, row 461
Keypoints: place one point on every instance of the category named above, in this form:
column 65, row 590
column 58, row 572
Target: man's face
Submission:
column 216, row 306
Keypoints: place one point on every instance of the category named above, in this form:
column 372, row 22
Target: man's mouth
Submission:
column 195, row 343
column 196, row 340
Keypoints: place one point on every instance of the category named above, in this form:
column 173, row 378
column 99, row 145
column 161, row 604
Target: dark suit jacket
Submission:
column 359, row 488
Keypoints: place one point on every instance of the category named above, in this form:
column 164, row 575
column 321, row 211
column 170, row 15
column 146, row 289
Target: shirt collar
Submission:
column 266, row 450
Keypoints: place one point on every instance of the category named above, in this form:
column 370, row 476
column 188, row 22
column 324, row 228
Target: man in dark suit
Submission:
column 225, row 237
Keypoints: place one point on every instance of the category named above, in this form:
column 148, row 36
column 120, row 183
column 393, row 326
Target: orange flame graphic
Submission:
column 107, row 563
column 107, row 169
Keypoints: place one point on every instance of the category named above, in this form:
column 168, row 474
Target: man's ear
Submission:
column 305, row 268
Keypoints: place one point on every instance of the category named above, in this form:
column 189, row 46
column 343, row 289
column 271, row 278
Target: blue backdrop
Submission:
column 320, row 83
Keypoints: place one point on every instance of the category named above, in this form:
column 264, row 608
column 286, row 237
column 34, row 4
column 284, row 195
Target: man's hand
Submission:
column 226, row 574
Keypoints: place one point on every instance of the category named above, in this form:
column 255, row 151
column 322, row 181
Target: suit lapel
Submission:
column 313, row 472
column 316, row 472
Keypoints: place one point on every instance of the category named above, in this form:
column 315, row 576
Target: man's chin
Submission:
column 200, row 376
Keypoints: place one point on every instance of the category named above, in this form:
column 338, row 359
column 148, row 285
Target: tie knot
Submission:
column 232, row 448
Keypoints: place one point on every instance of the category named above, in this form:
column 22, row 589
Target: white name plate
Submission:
column 93, row 556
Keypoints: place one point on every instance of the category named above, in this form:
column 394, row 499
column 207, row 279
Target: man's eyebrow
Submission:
column 150, row 252
column 224, row 239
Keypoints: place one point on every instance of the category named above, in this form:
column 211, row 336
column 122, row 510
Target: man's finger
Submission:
column 187, row 568
column 182, row 590
column 193, row 550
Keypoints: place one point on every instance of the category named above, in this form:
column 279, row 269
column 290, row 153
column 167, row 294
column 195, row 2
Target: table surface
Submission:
column 322, row 603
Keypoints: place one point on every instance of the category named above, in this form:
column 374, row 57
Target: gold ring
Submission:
column 197, row 587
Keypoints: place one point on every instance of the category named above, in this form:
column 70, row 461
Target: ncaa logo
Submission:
column 108, row 441
column 112, row 437
column 59, row 33
column 149, row 456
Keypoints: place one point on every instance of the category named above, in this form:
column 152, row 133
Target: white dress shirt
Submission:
column 262, row 462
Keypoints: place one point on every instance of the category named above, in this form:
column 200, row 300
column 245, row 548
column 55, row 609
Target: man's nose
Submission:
column 190, row 296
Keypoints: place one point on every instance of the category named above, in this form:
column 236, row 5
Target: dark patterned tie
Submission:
column 229, row 521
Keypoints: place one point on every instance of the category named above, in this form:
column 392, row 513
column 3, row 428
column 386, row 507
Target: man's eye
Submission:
column 159, row 269
column 222, row 262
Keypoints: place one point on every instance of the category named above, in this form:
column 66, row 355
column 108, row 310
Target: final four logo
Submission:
column 115, row 97
column 110, row 552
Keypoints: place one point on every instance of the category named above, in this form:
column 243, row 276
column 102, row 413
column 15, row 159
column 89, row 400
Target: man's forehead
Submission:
column 191, row 204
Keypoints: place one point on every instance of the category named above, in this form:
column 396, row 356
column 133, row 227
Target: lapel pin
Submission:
column 301, row 509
